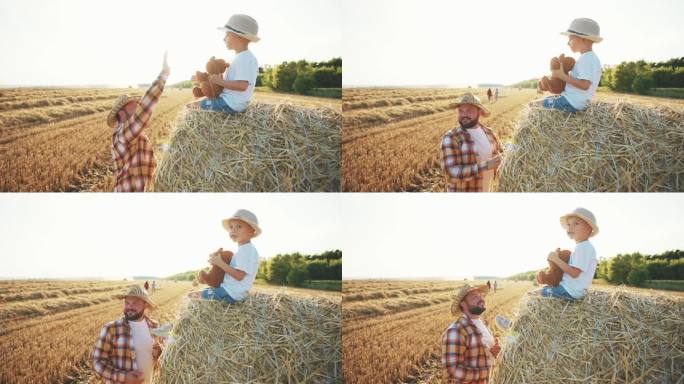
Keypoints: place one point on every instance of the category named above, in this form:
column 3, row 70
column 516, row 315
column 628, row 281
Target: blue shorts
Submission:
column 218, row 294
column 559, row 102
column 216, row 105
column 557, row 292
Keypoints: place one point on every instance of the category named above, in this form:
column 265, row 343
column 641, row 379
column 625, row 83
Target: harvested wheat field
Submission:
column 56, row 139
column 392, row 329
column 611, row 336
column 268, row 148
column 268, row 338
column 391, row 137
column 48, row 328
column 610, row 147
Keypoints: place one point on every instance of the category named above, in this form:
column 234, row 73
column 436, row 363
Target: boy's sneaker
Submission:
column 503, row 323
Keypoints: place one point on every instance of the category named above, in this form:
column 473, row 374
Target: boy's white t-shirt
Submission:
column 587, row 67
column 245, row 259
column 143, row 344
column 244, row 67
column 583, row 258
column 484, row 152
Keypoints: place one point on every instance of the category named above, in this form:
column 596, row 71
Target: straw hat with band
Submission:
column 583, row 214
column 465, row 290
column 471, row 99
column 112, row 119
column 139, row 292
column 244, row 26
column 584, row 28
column 246, row 216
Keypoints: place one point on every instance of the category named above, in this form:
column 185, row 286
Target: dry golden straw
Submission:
column 609, row 147
column 269, row 338
column 270, row 147
column 607, row 337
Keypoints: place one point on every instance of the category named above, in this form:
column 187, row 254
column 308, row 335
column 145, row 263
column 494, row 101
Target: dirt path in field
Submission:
column 504, row 118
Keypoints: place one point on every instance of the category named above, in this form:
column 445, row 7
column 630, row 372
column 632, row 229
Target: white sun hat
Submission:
column 584, row 28
column 246, row 216
column 583, row 214
column 242, row 25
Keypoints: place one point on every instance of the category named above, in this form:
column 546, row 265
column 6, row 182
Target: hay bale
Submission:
column 269, row 338
column 608, row 337
column 270, row 147
column 609, row 147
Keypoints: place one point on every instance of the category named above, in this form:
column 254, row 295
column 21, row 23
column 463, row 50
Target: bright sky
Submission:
column 115, row 236
column 445, row 42
column 463, row 235
column 82, row 42
column 381, row 235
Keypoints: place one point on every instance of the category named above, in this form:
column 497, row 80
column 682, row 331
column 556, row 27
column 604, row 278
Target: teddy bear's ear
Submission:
column 555, row 63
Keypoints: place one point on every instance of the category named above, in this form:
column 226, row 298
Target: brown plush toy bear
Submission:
column 554, row 85
column 553, row 274
column 205, row 88
column 214, row 277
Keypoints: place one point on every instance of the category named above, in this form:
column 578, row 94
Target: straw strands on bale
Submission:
column 268, row 338
column 607, row 337
column 608, row 147
column 270, row 147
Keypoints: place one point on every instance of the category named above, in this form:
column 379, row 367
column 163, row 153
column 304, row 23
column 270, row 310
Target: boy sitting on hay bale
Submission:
column 241, row 272
column 240, row 78
column 581, row 85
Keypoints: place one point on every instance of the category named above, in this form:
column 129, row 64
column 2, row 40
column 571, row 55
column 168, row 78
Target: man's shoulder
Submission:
column 113, row 325
column 453, row 134
column 152, row 323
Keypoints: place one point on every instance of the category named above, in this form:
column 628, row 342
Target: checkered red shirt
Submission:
column 131, row 150
column 114, row 354
column 460, row 160
column 464, row 356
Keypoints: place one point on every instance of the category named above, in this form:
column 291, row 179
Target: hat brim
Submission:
column 252, row 38
column 482, row 288
column 595, row 39
column 482, row 108
column 145, row 299
column 257, row 230
column 594, row 227
column 111, row 118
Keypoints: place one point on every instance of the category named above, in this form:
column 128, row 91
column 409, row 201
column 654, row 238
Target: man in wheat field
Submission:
column 132, row 151
column 126, row 350
column 468, row 347
column 471, row 151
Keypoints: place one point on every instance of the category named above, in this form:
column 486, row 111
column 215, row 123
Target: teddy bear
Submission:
column 205, row 87
column 554, row 85
column 553, row 274
column 214, row 277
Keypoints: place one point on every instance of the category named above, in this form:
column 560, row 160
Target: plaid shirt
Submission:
column 131, row 149
column 460, row 160
column 114, row 353
column 464, row 356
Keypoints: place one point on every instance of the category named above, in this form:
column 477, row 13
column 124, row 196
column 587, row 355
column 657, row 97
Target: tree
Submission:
column 304, row 81
column 278, row 269
column 298, row 274
column 262, row 272
column 284, row 76
column 638, row 275
column 643, row 81
column 623, row 76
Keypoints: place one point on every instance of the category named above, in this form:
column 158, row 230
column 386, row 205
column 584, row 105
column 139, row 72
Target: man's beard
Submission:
column 472, row 123
column 476, row 310
column 134, row 317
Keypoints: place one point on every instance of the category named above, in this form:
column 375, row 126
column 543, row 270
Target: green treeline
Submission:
column 303, row 77
column 296, row 269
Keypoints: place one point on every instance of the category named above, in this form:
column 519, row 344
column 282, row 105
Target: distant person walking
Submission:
column 489, row 285
column 494, row 286
column 154, row 285
column 489, row 95
column 496, row 95
column 147, row 286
